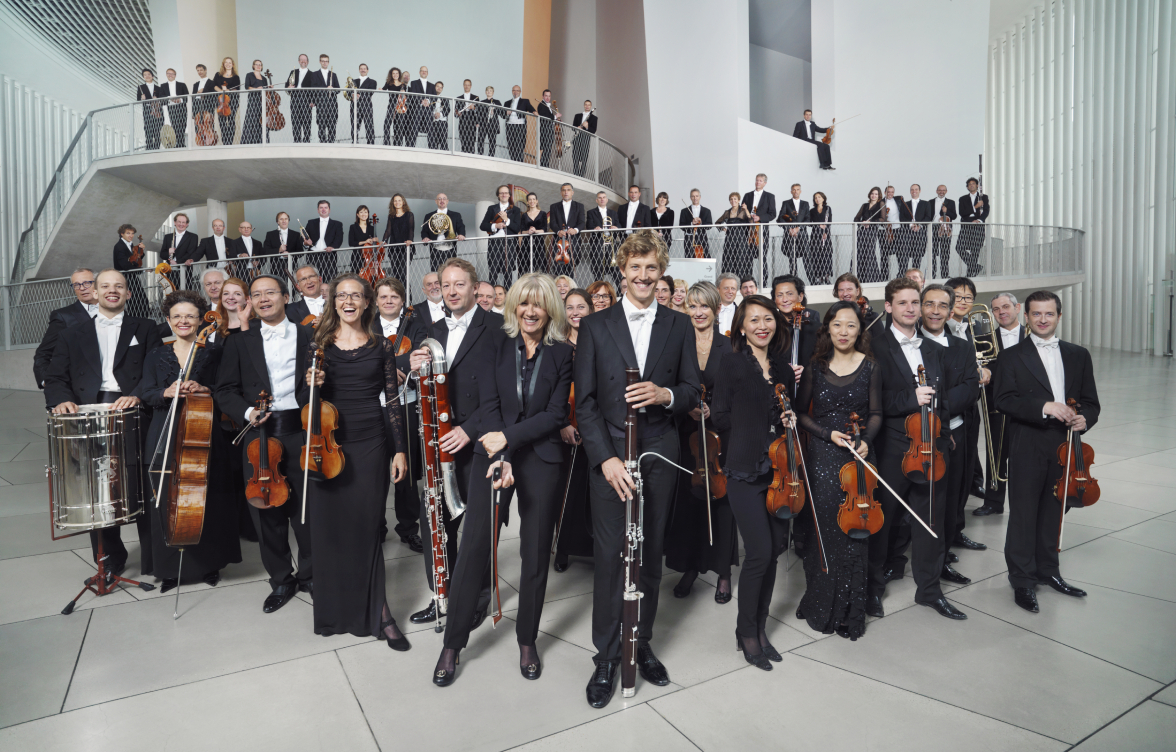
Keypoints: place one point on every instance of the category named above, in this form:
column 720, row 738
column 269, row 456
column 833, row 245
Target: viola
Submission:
column 137, row 253
column 274, row 119
column 786, row 494
column 864, row 304
column 563, row 250
column 321, row 456
column 267, row 487
column 860, row 516
column 205, row 131
column 708, row 480
column 309, row 320
column 923, row 462
column 1076, row 487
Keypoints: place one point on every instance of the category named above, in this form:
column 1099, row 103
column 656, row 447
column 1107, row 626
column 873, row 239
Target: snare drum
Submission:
column 93, row 468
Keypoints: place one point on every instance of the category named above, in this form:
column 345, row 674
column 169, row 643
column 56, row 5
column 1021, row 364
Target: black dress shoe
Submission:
column 602, row 684
column 531, row 671
column 650, row 667
column 561, row 562
column 977, row 490
column 307, row 587
column 443, row 678
column 891, row 574
column 950, row 557
column 759, row 660
column 951, row 575
column 168, row 585
column 278, row 598
column 964, row 541
column 773, row 654
column 427, row 615
column 413, row 542
column 212, row 578
column 986, row 509
column 943, row 608
column 874, row 606
column 1063, row 587
column 399, row 644
column 1026, row 599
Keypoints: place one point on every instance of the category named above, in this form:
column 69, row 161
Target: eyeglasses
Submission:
column 83, row 285
column 184, row 319
column 965, row 298
column 602, row 296
column 343, row 297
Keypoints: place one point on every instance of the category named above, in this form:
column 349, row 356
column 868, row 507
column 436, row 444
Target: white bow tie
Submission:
column 463, row 323
column 648, row 313
column 911, row 341
column 1050, row 345
column 273, row 332
column 113, row 322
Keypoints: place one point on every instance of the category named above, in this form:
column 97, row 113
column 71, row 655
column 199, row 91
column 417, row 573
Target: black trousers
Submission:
column 300, row 116
column 765, row 538
column 608, row 528
column 537, row 491
column 327, row 115
column 940, row 252
column 823, row 154
column 366, row 118
column 228, row 125
column 927, row 552
column 516, row 140
column 975, row 466
column 274, row 524
column 867, row 255
column 488, row 137
column 890, row 239
column 581, row 145
column 179, row 120
column 438, row 256
column 438, row 134
column 915, row 247
column 1031, row 539
column 499, row 260
column 467, row 132
column 152, row 128
column 958, row 480
column 546, row 144
column 994, row 491
column 969, row 243
column 793, row 248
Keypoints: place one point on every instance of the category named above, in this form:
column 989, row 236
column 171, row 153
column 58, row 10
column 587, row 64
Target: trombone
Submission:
column 987, row 344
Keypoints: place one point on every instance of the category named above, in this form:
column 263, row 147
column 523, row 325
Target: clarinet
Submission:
column 634, row 526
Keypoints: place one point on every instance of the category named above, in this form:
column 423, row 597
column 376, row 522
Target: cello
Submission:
column 1076, row 487
column 708, row 481
column 860, row 516
column 274, row 119
column 373, row 256
column 266, row 487
column 786, row 495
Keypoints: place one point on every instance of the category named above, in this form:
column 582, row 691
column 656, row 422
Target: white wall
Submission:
column 781, row 88
column 623, row 100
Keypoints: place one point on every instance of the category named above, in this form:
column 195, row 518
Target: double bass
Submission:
column 860, row 516
column 786, row 495
column 708, row 481
column 1076, row 487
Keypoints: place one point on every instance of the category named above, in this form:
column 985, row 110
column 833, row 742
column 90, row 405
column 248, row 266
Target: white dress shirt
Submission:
column 316, row 304
column 496, row 309
column 631, row 212
column 282, row 236
column 175, row 244
column 726, row 316
column 695, row 210
column 892, row 216
column 755, row 200
column 1051, row 357
column 437, row 311
column 796, row 210
column 640, row 329
column 567, row 210
column 603, row 215
column 941, row 339
column 280, row 344
column 108, row 330
column 457, row 332
column 808, row 126
column 200, row 84
column 972, row 197
column 166, row 90
column 247, row 240
column 91, row 309
column 910, row 349
column 515, row 118
column 1009, row 337
column 322, row 240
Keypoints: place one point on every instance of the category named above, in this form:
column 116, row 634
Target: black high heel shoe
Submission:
column 773, row 654
column 399, row 644
column 443, row 677
column 759, row 660
column 533, row 669
column 720, row 596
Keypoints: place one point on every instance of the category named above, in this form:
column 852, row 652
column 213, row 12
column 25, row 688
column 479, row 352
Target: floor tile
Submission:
column 1123, row 566
column 249, row 569
column 36, row 450
column 1109, row 515
column 8, row 452
column 27, row 499
column 822, row 707
column 23, row 471
column 1157, row 534
column 636, row 728
column 1128, row 470
column 1136, row 495
column 1013, row 675
column 37, row 660
column 301, row 705
column 1151, row 727
column 29, row 534
column 1168, row 695
column 38, row 586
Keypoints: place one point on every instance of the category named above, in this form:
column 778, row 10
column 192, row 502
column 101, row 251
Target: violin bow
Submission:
column 166, row 437
column 309, row 428
column 496, row 495
column 1065, row 481
column 710, row 530
column 811, row 503
column 563, row 507
column 874, row 472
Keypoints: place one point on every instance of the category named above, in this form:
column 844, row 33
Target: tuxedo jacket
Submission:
column 544, row 110
column 949, row 208
column 968, row 214
column 73, row 315
column 685, row 217
column 414, row 330
column 642, row 218
column 994, row 365
column 786, row 211
column 297, row 312
column 181, row 90
column 478, row 348
column 605, row 349
column 454, row 218
column 206, row 249
column 898, row 388
column 273, row 241
column 122, row 256
column 905, row 214
column 579, row 118
column 487, row 116
column 423, row 313
column 466, row 117
column 922, row 209
column 292, row 80
column 523, row 105
column 328, row 100
column 766, row 209
column 556, row 220
column 500, row 394
column 334, row 238
column 147, row 91
column 75, row 371
column 513, row 215
column 243, row 374
column 414, row 87
column 593, row 220
column 189, row 247
column 1022, row 389
column 962, row 377
column 236, row 247
column 799, row 131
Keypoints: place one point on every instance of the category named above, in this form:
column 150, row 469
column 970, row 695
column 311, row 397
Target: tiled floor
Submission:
column 1092, row 674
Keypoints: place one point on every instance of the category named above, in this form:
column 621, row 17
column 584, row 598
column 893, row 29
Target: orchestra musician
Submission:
column 227, row 80
column 870, row 218
column 761, row 209
column 532, row 221
column 944, row 213
column 272, row 358
column 440, row 252
column 915, row 234
column 101, row 362
column 737, row 258
column 344, row 512
column 729, row 286
column 974, row 210
column 437, row 119
column 399, row 231
column 395, row 123
column 584, row 123
column 566, row 218
column 484, row 297
column 525, row 401
column 466, row 114
column 896, row 216
column 601, row 242
column 323, row 235
column 547, row 120
column 245, row 247
column 301, row 102
column 849, row 289
column 75, row 314
column 634, row 215
column 663, row 216
column 132, row 272
column 181, row 247
column 806, row 130
column 690, row 219
column 420, row 105
column 965, row 297
column 213, row 248
column 498, row 248
column 203, row 103
column 787, row 291
column 361, row 105
column 313, row 300
column 1007, row 312
column 796, row 239
column 325, row 102
column 819, row 261
column 1034, row 380
column 748, row 287
column 659, row 342
column 152, row 113
column 251, row 126
column 516, row 123
column 212, row 281
column 916, row 275
column 278, row 244
column 432, row 309
column 489, row 112
column 360, row 231
column 177, row 107
column 575, row 529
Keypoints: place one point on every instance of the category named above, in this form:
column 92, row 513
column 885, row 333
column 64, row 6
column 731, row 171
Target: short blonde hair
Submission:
column 643, row 243
column 571, row 282
column 540, row 289
column 705, row 293
column 462, row 264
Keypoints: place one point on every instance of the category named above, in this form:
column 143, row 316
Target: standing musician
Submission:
column 181, row 247
column 203, row 105
column 516, row 122
column 323, row 235
column 899, row 352
column 123, row 250
column 361, row 231
column 584, row 123
column 361, row 104
column 575, row 525
column 399, row 231
column 819, row 261
column 566, row 218
column 420, row 104
column 943, row 213
column 300, row 101
column 694, row 219
column 219, row 543
column 466, row 114
column 788, row 291
column 915, row 234
column 355, row 369
column 101, row 362
column 326, row 102
column 1033, row 382
column 849, row 289
column 498, row 247
column 245, row 247
column 688, row 546
column 635, row 214
column 602, row 242
column 659, row 342
column 214, row 248
column 313, row 300
column 974, row 210
column 965, row 298
column 73, row 315
column 278, row 243
column 176, row 93
column 488, row 113
column 844, row 380
column 524, row 402
column 432, row 309
column 761, row 208
column 272, row 358
column 1007, row 312
column 395, row 122
column 152, row 113
column 895, row 217
column 440, row 252
column 795, row 245
column 547, row 119
column 729, row 285
column 226, row 80
column 806, row 130
column 471, row 336
column 437, row 119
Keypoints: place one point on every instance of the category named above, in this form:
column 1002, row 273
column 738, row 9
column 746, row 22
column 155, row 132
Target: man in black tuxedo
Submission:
column 279, row 243
column 899, row 351
column 324, row 236
column 123, row 250
column 273, row 358
column 421, row 106
column 897, row 216
column 547, row 118
column 516, row 122
column 1035, row 379
column 974, row 209
column 181, row 248
column 634, row 215
column 499, row 245
column 73, row 315
column 488, row 113
column 153, row 112
column 636, row 333
column 314, row 295
column 446, row 248
column 1007, row 313
column 300, row 102
column 245, row 248
column 943, row 213
column 325, row 102
column 584, row 123
column 795, row 243
column 205, row 102
column 914, row 235
column 761, row 205
column 471, row 337
column 177, row 109
column 566, row 219
column 361, row 105
column 466, row 113
column 432, row 309
column 806, row 130
column 695, row 215
column 600, row 244
column 100, row 361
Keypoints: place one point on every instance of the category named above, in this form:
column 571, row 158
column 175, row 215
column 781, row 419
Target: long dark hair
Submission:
column 781, row 340
column 328, row 326
column 823, row 351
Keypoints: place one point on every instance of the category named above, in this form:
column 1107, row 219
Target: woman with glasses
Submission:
column 345, row 512
column 575, row 527
column 602, row 295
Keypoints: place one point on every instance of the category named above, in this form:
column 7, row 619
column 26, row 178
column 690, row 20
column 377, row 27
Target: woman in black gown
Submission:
column 219, row 544
column 346, row 511
column 843, row 379
column 688, row 546
column 733, row 222
column 575, row 529
column 361, row 230
column 870, row 215
column 534, row 220
column 663, row 217
column 392, row 119
column 228, row 82
column 398, row 232
column 251, row 127
column 820, row 258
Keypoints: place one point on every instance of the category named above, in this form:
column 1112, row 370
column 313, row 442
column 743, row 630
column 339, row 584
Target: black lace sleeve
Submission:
column 392, row 396
column 804, row 399
column 874, row 423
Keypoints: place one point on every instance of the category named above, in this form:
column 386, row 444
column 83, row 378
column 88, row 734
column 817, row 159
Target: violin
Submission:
column 786, row 494
column 864, row 304
column 274, row 119
column 1076, row 488
column 563, row 249
column 401, row 341
column 137, row 253
column 373, row 255
column 708, row 480
column 923, row 462
column 828, row 139
column 797, row 318
column 321, row 456
column 267, row 487
column 860, row 516
column 309, row 320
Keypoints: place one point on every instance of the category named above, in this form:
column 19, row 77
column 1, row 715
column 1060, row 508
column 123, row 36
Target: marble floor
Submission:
column 1091, row 674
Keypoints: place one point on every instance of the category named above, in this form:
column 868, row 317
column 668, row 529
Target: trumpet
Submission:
column 987, row 344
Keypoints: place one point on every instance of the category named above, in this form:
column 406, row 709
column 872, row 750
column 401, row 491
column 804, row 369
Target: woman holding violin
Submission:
column 225, row 81
column 820, row 253
column 219, row 545
column 345, row 511
column 362, row 232
column 745, row 408
column 842, row 381
column 575, row 523
column 688, row 544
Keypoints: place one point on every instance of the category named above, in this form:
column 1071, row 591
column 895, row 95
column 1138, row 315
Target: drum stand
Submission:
column 103, row 584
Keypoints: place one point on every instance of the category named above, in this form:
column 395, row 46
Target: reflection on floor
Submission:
column 1098, row 673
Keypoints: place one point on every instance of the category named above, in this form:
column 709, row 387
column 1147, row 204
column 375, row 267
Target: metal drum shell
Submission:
column 92, row 469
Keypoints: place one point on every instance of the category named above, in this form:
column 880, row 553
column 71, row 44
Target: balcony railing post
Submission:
column 596, row 158
column 7, row 317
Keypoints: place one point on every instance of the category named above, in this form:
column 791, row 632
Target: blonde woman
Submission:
column 226, row 80
column 522, row 436
column 678, row 301
column 564, row 284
